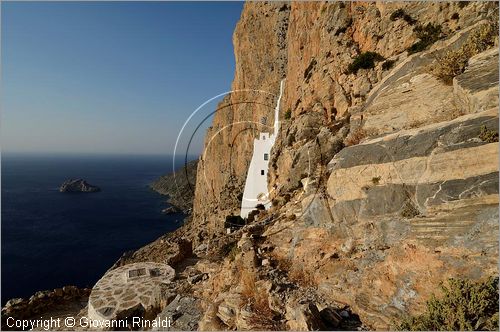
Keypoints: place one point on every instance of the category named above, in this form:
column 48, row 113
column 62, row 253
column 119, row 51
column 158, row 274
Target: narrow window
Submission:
column 263, row 137
column 261, row 172
column 136, row 273
column 266, row 156
column 154, row 272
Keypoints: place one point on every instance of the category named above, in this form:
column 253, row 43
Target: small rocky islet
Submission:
column 78, row 186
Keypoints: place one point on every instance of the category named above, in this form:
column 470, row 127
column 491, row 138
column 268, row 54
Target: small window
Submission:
column 136, row 273
column 263, row 137
column 154, row 272
column 266, row 156
column 261, row 172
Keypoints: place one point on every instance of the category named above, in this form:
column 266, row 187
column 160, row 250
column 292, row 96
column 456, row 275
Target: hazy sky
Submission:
column 110, row 77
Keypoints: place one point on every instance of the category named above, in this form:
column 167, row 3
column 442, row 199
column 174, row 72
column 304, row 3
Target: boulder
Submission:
column 304, row 317
column 331, row 318
column 170, row 210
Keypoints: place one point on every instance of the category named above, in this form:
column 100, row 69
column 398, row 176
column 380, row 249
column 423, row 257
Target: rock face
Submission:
column 311, row 46
column 385, row 180
column 179, row 186
column 68, row 300
column 170, row 249
column 229, row 141
column 78, row 186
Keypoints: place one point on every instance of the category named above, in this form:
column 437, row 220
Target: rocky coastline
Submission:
column 179, row 186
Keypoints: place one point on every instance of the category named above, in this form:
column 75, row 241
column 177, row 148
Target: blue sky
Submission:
column 95, row 77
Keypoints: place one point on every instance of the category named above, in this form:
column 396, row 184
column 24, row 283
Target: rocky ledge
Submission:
column 78, row 185
column 60, row 302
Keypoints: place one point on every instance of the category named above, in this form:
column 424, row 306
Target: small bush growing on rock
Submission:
column 388, row 64
column 288, row 115
column 355, row 137
column 296, row 274
column 232, row 254
column 397, row 14
column 409, row 210
column 365, row 60
column 465, row 305
column 400, row 13
column 455, row 16
column 262, row 316
column 487, row 135
column 462, row 4
column 376, row 180
column 229, row 250
column 453, row 63
column 427, row 35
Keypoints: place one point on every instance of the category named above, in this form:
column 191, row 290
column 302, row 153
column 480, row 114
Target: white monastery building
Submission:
column 256, row 188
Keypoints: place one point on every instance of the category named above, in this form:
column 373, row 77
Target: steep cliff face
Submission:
column 261, row 57
column 384, row 175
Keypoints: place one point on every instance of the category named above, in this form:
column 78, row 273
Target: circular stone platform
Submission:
column 128, row 287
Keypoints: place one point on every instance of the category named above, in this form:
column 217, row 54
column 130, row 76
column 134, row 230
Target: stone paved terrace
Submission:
column 127, row 289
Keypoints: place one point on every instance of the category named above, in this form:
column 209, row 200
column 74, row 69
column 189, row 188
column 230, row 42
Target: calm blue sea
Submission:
column 51, row 239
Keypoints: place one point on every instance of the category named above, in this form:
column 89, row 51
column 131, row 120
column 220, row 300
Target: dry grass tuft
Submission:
column 355, row 137
column 302, row 277
column 296, row 274
column 488, row 135
column 247, row 283
column 263, row 317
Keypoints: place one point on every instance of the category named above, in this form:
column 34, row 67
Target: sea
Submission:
column 51, row 239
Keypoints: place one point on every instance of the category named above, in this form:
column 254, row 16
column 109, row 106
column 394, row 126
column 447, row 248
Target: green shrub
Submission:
column 462, row 4
column 409, row 19
column 288, row 115
column 400, row 13
column 376, row 180
column 465, row 305
column 455, row 16
column 365, row 60
column 487, row 135
column 388, row 64
column 427, row 35
column 453, row 63
column 230, row 250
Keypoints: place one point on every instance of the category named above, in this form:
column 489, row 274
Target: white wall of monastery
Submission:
column 256, row 190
